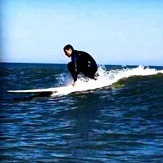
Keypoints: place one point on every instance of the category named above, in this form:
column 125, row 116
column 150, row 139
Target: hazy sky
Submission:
column 122, row 32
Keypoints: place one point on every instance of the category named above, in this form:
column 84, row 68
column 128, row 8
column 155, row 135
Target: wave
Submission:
column 108, row 78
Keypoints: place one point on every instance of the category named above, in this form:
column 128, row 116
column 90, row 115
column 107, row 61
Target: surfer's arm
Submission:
column 74, row 79
column 73, row 83
column 75, row 75
column 73, row 70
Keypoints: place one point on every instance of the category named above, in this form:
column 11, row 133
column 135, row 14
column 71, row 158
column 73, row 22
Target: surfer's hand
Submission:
column 73, row 83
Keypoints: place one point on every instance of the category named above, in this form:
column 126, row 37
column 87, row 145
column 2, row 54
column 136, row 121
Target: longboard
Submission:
column 52, row 91
column 64, row 90
column 34, row 90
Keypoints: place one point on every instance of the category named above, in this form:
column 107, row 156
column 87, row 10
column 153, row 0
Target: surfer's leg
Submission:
column 89, row 70
column 92, row 72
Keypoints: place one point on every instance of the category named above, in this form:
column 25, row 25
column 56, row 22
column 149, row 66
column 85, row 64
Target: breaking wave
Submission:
column 107, row 78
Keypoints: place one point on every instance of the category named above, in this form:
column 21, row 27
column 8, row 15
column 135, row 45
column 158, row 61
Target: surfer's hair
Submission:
column 68, row 47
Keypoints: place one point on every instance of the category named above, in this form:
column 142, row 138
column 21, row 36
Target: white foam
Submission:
column 106, row 78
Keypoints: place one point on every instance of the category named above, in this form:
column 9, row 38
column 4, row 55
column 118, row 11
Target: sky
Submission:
column 116, row 32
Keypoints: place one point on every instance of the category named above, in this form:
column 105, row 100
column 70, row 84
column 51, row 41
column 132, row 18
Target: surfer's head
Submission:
column 68, row 49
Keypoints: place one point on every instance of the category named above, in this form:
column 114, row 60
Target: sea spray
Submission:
column 106, row 78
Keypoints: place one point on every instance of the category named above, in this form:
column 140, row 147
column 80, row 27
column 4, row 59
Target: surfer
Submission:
column 80, row 62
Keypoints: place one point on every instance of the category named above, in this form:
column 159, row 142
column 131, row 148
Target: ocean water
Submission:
column 118, row 118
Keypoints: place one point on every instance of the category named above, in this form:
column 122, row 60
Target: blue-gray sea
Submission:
column 119, row 123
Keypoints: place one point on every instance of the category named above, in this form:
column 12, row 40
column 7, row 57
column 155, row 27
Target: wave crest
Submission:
column 107, row 78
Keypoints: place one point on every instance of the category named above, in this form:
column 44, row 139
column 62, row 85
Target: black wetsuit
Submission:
column 82, row 62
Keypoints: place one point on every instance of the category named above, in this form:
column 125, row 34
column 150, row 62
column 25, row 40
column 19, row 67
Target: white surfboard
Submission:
column 64, row 90
column 56, row 91
column 34, row 90
column 52, row 91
